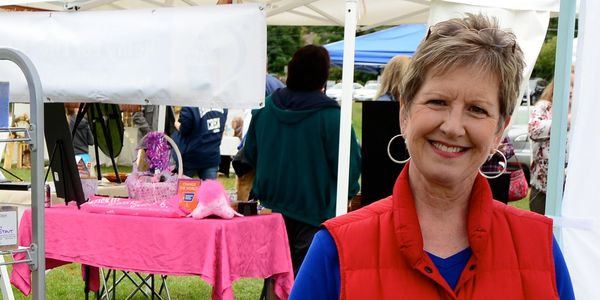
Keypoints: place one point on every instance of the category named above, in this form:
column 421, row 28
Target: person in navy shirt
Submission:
column 199, row 136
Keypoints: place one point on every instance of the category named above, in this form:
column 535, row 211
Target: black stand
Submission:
column 62, row 169
column 11, row 173
column 83, row 108
column 379, row 173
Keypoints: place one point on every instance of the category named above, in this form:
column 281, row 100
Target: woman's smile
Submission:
column 447, row 151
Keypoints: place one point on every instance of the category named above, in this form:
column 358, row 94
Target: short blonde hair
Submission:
column 391, row 78
column 474, row 41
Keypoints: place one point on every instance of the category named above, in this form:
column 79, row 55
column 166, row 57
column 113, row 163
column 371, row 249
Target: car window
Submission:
column 371, row 86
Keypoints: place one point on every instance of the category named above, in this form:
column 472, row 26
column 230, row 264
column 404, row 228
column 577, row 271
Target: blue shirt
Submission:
column 319, row 276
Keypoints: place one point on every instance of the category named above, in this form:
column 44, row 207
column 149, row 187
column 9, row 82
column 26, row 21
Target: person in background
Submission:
column 271, row 85
column 293, row 143
column 146, row 120
column 83, row 137
column 391, row 79
column 496, row 163
column 440, row 235
column 199, row 136
column 540, row 122
column 244, row 173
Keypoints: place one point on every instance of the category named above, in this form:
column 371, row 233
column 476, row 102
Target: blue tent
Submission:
column 375, row 49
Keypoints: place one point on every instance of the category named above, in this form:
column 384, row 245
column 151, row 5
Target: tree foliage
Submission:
column 544, row 66
column 283, row 41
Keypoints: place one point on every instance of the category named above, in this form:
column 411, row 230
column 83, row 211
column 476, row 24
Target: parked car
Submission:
column 535, row 89
column 367, row 92
column 335, row 92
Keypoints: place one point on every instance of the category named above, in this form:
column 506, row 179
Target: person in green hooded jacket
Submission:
column 293, row 143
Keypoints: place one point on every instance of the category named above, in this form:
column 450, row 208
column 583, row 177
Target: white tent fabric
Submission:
column 580, row 219
column 212, row 56
column 529, row 26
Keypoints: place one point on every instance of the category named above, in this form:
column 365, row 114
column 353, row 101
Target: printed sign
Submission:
column 8, row 227
column 186, row 190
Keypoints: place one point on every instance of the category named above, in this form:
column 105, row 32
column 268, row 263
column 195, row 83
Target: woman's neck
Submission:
column 442, row 211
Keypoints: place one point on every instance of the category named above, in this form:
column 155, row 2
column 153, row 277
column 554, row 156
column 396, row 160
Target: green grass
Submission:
column 357, row 119
column 65, row 282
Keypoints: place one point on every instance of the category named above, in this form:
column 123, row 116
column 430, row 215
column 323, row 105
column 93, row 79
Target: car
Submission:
column 367, row 92
column 335, row 92
column 535, row 88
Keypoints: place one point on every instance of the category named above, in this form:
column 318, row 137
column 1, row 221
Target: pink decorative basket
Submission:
column 140, row 189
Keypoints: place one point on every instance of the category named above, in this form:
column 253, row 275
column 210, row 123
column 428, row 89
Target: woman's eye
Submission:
column 478, row 110
column 436, row 102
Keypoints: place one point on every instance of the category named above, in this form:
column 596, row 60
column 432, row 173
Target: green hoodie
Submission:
column 295, row 154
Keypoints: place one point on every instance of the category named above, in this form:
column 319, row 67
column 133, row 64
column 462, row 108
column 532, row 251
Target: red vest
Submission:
column 382, row 257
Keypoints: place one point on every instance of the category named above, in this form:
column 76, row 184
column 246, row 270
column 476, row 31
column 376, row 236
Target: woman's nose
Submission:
column 453, row 125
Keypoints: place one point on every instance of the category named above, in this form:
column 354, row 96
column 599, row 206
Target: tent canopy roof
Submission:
column 371, row 13
column 375, row 49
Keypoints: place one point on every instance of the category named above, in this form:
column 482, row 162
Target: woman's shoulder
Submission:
column 527, row 218
column 361, row 215
column 543, row 103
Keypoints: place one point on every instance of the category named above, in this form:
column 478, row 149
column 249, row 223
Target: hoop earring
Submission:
column 390, row 153
column 499, row 173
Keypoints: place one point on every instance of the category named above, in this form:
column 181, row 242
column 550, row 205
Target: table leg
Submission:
column 268, row 290
column 86, row 289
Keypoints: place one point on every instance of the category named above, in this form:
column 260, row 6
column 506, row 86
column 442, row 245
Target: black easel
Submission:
column 63, row 167
column 83, row 108
column 11, row 173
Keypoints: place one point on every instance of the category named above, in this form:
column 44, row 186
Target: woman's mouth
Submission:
column 446, row 150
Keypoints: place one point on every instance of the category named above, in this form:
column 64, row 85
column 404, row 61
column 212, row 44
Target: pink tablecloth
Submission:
column 219, row 251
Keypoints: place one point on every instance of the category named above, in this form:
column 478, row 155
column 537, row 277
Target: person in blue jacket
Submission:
column 199, row 140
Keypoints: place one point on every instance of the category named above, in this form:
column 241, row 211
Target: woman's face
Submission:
column 451, row 126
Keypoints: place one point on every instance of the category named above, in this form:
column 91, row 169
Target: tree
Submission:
column 283, row 41
column 544, row 66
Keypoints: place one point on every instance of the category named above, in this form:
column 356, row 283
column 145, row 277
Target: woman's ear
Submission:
column 402, row 117
column 500, row 134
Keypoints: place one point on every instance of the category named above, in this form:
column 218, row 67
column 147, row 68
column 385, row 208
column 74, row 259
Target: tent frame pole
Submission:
column 560, row 111
column 346, row 113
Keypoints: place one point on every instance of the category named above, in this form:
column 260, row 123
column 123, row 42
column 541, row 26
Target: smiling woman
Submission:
column 451, row 126
column 441, row 234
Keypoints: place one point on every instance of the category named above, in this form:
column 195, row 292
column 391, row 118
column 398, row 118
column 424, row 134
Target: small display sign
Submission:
column 8, row 228
column 186, row 189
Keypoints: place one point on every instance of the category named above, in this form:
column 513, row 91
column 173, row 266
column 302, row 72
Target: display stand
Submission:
column 83, row 108
column 34, row 136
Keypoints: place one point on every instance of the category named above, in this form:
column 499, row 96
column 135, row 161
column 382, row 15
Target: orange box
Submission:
column 186, row 190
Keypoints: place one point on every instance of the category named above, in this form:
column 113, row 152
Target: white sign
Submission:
column 8, row 226
column 205, row 56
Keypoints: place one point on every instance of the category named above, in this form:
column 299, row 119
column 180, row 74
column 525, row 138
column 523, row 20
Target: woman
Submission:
column 539, row 132
column 391, row 78
column 440, row 235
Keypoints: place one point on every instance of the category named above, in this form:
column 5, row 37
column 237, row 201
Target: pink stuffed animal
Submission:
column 213, row 200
